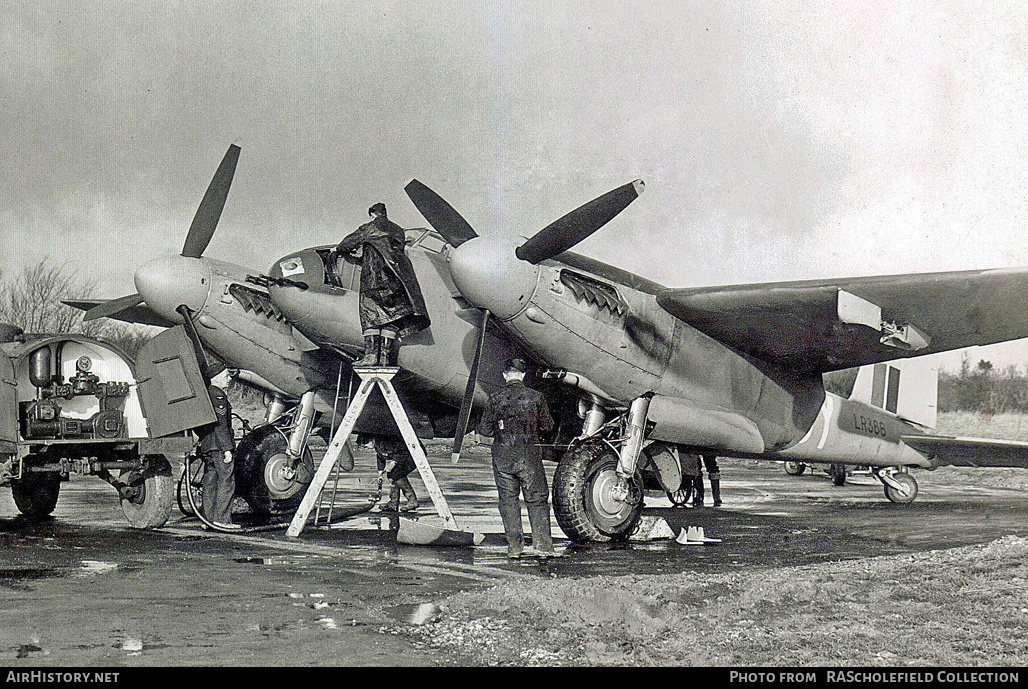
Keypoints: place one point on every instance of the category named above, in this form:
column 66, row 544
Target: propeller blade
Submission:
column 439, row 214
column 141, row 313
column 469, row 391
column 109, row 308
column 206, row 219
column 564, row 233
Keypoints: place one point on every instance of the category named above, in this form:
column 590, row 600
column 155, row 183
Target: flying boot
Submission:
column 372, row 348
column 409, row 495
column 394, row 499
column 697, row 496
column 715, row 488
column 390, row 349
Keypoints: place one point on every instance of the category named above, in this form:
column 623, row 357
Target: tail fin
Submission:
column 908, row 388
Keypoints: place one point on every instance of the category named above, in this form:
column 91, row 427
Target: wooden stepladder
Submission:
column 370, row 377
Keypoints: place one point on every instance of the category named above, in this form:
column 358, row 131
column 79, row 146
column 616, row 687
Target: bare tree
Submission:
column 32, row 301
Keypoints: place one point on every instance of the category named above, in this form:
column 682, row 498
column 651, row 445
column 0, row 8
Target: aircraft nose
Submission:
column 490, row 276
column 167, row 282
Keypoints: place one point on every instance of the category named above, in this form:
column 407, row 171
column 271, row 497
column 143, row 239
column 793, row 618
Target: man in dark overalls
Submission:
column 514, row 418
column 215, row 447
column 391, row 305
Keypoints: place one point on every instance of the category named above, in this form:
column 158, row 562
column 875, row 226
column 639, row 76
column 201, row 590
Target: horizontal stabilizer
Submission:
column 140, row 313
column 970, row 452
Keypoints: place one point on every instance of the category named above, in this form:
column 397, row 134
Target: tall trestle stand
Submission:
column 382, row 377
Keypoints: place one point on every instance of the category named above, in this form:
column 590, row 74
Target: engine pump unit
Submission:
column 42, row 418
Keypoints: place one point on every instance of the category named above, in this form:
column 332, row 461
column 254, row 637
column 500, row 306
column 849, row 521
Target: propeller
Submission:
column 112, row 307
column 555, row 238
column 439, row 214
column 564, row 233
column 207, row 215
column 200, row 231
column 469, row 392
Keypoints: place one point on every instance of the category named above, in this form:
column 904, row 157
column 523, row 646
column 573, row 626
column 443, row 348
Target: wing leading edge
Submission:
column 817, row 326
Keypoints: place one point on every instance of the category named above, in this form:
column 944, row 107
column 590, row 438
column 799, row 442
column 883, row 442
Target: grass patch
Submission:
column 965, row 606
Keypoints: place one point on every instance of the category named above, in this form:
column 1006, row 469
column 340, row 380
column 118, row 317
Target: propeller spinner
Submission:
column 167, row 282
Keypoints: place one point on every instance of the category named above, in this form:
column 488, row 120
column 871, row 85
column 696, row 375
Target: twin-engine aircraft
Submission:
column 637, row 374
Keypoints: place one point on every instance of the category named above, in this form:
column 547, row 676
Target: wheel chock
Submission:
column 421, row 533
column 694, row 535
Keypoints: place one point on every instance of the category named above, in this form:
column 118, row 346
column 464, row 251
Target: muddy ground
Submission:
column 83, row 589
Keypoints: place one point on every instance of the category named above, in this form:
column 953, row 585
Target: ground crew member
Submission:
column 395, row 460
column 714, row 474
column 514, row 418
column 391, row 305
column 215, row 447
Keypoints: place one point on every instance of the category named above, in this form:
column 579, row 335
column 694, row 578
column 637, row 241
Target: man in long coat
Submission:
column 391, row 305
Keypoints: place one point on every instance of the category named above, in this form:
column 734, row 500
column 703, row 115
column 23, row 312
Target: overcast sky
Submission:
column 778, row 140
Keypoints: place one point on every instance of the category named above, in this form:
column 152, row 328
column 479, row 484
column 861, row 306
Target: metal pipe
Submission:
column 595, row 417
column 304, row 423
column 276, row 408
column 636, row 432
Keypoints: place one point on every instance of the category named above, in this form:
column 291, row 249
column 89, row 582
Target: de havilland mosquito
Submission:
column 637, row 374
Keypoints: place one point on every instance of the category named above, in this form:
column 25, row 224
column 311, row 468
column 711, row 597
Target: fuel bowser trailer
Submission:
column 73, row 404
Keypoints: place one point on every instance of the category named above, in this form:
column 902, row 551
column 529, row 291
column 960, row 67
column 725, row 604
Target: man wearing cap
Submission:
column 215, row 447
column 514, row 418
column 391, row 305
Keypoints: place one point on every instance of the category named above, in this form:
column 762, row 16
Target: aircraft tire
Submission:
column 838, row 473
column 259, row 448
column 910, row 489
column 151, row 508
column 581, row 501
column 795, row 468
column 36, row 494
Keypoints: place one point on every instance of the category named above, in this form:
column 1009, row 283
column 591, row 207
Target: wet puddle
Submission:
column 14, row 577
column 413, row 613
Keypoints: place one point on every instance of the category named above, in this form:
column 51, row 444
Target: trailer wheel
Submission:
column 909, row 491
column 838, row 473
column 260, row 473
column 795, row 468
column 582, row 500
column 147, row 503
column 36, row 493
column 680, row 497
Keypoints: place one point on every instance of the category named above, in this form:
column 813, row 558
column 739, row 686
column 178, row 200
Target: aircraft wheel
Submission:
column 838, row 473
column 907, row 494
column 262, row 473
column 583, row 500
column 795, row 468
column 148, row 504
column 36, row 493
column 680, row 497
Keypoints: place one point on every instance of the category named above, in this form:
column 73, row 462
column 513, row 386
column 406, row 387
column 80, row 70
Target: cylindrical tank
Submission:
column 39, row 367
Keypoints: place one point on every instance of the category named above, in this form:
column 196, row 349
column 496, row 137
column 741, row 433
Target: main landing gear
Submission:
column 598, row 485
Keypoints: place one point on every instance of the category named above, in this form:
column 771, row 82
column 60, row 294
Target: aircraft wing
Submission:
column 970, row 452
column 816, row 326
column 142, row 313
